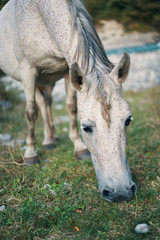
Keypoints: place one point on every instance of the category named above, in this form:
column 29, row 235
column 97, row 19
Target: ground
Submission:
column 113, row 35
column 144, row 70
column 59, row 199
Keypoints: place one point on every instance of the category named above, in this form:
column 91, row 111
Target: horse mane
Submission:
column 89, row 44
column 94, row 58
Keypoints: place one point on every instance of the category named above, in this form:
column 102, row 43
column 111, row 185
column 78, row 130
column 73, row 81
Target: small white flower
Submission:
column 2, row 208
column 46, row 186
column 67, row 184
column 65, row 129
column 53, row 192
column 43, row 167
column 46, row 160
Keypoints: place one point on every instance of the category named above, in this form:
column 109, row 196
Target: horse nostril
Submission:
column 133, row 189
column 105, row 193
column 120, row 195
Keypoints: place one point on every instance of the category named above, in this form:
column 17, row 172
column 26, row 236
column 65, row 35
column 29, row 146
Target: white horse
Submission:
column 43, row 40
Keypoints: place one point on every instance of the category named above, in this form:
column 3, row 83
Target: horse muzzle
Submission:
column 119, row 195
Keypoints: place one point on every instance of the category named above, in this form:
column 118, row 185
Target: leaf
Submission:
column 56, row 208
column 78, row 211
column 76, row 228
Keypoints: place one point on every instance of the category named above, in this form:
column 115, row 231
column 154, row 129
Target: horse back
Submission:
column 26, row 39
column 8, row 61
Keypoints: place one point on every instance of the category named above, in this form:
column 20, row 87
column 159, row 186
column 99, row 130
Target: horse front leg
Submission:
column 43, row 99
column 29, row 79
column 80, row 150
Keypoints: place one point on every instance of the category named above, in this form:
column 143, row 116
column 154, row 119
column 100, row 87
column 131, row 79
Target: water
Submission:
column 135, row 49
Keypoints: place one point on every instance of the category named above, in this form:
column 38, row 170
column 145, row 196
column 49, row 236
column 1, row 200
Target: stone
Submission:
column 5, row 137
column 142, row 228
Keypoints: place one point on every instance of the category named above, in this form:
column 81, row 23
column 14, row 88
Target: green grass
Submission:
column 8, row 94
column 72, row 208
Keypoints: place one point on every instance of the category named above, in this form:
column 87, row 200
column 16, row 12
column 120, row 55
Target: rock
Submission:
column 10, row 143
column 5, row 137
column 142, row 228
column 6, row 140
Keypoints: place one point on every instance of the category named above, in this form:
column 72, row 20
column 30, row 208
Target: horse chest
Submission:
column 51, row 70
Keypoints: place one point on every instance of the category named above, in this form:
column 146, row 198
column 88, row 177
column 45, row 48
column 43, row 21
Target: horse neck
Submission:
column 72, row 29
column 57, row 17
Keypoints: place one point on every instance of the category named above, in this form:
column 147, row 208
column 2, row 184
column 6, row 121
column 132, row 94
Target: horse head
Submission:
column 104, row 116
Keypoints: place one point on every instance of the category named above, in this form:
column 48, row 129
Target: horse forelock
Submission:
column 102, row 90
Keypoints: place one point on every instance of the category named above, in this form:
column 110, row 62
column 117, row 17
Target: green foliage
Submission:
column 3, row 2
column 71, row 206
column 9, row 94
column 141, row 15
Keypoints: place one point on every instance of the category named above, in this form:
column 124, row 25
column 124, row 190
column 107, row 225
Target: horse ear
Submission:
column 76, row 76
column 121, row 70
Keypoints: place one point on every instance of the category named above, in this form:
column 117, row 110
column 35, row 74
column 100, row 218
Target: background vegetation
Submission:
column 142, row 15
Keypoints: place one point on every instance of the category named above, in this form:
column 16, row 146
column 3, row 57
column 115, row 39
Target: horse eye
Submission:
column 87, row 129
column 127, row 122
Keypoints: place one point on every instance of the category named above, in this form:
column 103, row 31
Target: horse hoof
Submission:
column 32, row 160
column 84, row 154
column 49, row 146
